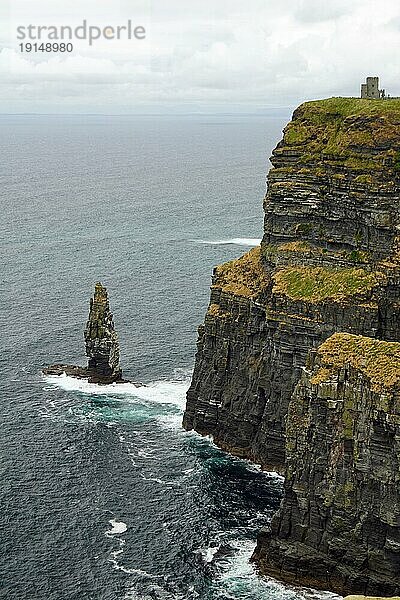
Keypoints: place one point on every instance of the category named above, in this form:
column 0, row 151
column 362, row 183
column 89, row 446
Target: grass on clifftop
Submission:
column 363, row 134
column 321, row 110
column 314, row 284
column 377, row 359
column 244, row 276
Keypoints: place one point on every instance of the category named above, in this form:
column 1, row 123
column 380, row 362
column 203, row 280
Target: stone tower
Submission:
column 102, row 346
column 371, row 90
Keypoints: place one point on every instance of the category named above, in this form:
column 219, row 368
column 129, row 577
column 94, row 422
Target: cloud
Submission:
column 205, row 56
column 315, row 11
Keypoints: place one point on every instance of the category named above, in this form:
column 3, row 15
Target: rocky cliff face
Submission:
column 252, row 346
column 338, row 526
column 328, row 262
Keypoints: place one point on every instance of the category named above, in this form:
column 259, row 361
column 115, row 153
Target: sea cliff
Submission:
column 338, row 526
column 328, row 263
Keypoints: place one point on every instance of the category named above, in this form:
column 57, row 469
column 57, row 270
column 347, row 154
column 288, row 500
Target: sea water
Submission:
column 103, row 495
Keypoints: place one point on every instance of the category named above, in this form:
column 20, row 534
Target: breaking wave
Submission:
column 171, row 392
column 251, row 242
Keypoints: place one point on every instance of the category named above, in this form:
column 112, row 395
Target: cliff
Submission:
column 328, row 262
column 101, row 342
column 338, row 527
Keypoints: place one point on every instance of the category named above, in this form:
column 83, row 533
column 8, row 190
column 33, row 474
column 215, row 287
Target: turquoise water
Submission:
column 103, row 495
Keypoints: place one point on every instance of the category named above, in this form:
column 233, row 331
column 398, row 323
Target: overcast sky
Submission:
column 200, row 55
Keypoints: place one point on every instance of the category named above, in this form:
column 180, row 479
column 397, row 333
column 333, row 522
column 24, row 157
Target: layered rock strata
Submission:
column 102, row 346
column 338, row 527
column 328, row 262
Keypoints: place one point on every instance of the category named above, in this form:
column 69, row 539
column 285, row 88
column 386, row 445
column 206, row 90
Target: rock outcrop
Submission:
column 102, row 346
column 338, row 527
column 370, row 598
column 328, row 262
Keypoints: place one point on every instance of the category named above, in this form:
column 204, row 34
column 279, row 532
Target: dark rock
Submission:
column 329, row 262
column 338, row 526
column 102, row 346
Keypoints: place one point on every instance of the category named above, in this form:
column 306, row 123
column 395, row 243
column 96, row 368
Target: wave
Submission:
column 116, row 527
column 231, row 242
column 239, row 579
column 172, row 392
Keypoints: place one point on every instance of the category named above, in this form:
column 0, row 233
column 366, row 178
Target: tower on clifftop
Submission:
column 371, row 90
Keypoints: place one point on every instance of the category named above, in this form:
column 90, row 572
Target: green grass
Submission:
column 315, row 284
column 337, row 107
column 378, row 360
column 360, row 134
column 244, row 276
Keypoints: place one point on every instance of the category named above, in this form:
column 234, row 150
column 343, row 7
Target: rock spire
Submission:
column 102, row 345
column 101, row 339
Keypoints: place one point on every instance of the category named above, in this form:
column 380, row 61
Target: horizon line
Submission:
column 144, row 114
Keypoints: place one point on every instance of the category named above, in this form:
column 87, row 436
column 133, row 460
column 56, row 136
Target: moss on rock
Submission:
column 377, row 359
column 360, row 134
column 244, row 276
column 315, row 284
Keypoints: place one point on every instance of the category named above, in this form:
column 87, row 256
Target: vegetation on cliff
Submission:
column 244, row 276
column 315, row 284
column 354, row 132
column 377, row 359
column 329, row 264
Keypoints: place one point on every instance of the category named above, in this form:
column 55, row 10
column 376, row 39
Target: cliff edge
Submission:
column 328, row 263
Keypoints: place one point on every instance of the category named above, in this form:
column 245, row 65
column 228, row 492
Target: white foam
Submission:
column 241, row 572
column 162, row 392
column 74, row 384
column 231, row 242
column 157, row 480
column 209, row 554
column 116, row 527
column 114, row 561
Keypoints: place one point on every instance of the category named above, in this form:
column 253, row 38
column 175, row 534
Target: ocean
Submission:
column 103, row 495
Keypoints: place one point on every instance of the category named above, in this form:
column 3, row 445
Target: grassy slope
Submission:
column 315, row 284
column 362, row 134
column 377, row 359
column 244, row 276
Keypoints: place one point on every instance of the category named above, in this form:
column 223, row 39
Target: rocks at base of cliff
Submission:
column 102, row 346
column 338, row 526
column 84, row 373
column 371, row 598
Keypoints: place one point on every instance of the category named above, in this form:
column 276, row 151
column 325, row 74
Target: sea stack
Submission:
column 101, row 339
column 102, row 345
